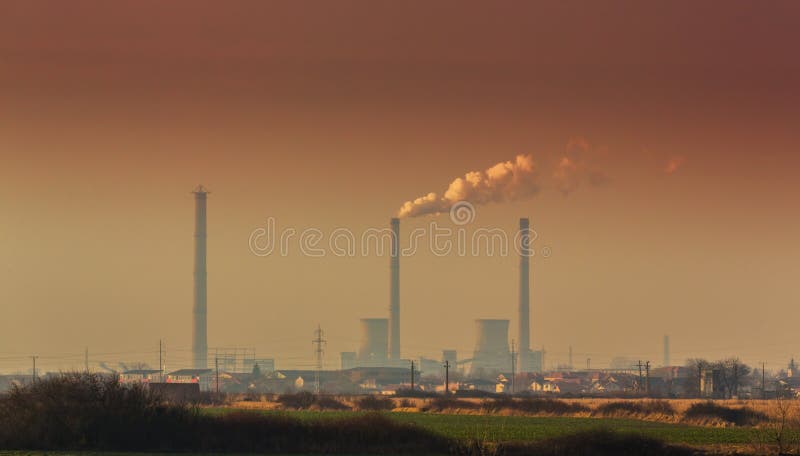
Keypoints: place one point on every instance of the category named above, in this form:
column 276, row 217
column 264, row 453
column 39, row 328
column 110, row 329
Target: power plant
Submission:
column 199, row 329
column 380, row 337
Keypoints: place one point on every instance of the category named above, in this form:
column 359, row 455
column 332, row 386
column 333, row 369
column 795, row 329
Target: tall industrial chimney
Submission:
column 199, row 335
column 394, row 292
column 666, row 350
column 524, row 296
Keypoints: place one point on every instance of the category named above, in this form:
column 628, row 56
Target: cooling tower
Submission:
column 199, row 335
column 374, row 342
column 491, row 347
column 524, row 297
column 394, row 292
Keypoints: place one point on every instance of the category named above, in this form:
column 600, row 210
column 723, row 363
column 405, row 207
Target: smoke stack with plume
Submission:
column 505, row 181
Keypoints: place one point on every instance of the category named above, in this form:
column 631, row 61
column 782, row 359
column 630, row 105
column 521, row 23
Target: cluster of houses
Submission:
column 675, row 381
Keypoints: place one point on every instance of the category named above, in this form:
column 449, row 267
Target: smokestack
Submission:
column 394, row 292
column 666, row 350
column 524, row 296
column 199, row 335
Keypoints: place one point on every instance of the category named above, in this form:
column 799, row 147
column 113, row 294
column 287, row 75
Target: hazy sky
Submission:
column 332, row 114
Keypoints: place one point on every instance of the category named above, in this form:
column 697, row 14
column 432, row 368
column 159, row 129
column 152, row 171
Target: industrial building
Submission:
column 492, row 353
column 373, row 350
column 380, row 337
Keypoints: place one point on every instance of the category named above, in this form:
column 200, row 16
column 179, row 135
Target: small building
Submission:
column 140, row 376
column 202, row 377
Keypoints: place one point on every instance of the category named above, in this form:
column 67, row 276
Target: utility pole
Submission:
column 640, row 376
column 34, row 368
column 763, row 379
column 412, row 375
column 160, row 360
column 588, row 364
column 570, row 359
column 513, row 366
column 446, row 377
column 216, row 368
column 700, row 380
column 647, row 384
column 319, row 344
column 86, row 359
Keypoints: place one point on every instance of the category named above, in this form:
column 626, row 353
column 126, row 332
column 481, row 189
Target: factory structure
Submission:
column 380, row 337
column 379, row 345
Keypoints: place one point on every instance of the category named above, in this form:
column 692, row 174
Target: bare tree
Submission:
column 732, row 374
column 782, row 431
column 696, row 366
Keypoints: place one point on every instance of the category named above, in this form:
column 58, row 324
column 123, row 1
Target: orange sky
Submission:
column 333, row 114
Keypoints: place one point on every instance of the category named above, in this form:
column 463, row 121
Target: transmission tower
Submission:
column 319, row 351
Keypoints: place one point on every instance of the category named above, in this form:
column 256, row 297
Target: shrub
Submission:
column 534, row 406
column 301, row 400
column 89, row 412
column 375, row 403
column 330, row 403
column 635, row 408
column 85, row 410
column 450, row 403
column 406, row 392
column 476, row 393
column 743, row 416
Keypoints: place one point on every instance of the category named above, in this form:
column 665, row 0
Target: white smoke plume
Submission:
column 577, row 166
column 505, row 181
column 673, row 164
column 516, row 180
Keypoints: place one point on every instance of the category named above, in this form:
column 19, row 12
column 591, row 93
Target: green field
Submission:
column 526, row 429
column 494, row 428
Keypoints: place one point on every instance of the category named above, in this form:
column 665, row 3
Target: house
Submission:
column 544, row 386
column 140, row 376
column 477, row 384
column 203, row 377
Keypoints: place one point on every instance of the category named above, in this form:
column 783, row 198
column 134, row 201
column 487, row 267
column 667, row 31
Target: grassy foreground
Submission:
column 495, row 428
column 88, row 414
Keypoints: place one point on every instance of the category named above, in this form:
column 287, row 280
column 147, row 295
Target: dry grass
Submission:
column 642, row 409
